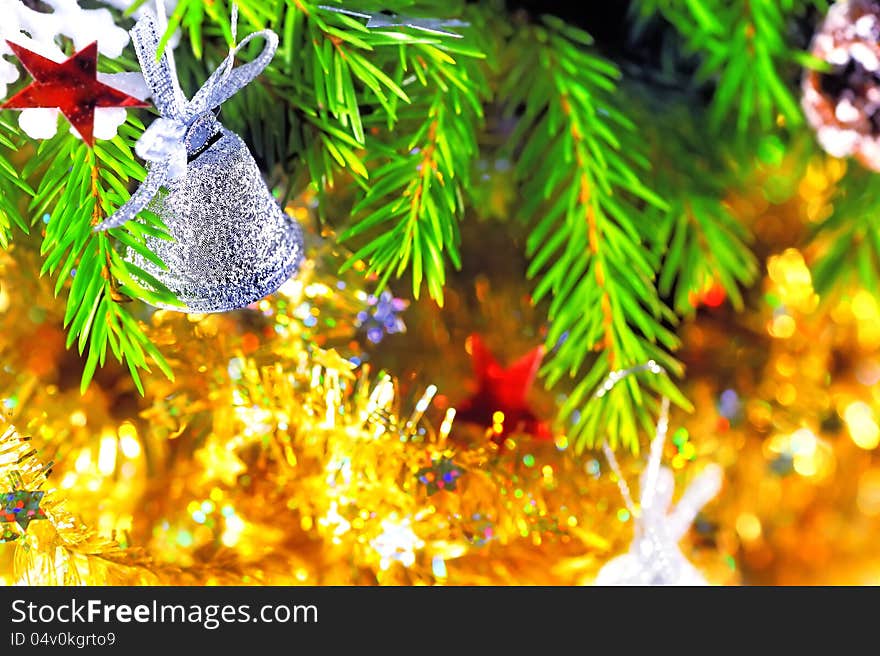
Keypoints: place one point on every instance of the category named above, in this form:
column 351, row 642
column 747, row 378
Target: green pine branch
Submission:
column 699, row 239
column 80, row 186
column 744, row 49
column 848, row 241
column 705, row 245
column 415, row 199
column 581, row 173
column 192, row 16
column 12, row 185
column 421, row 96
column 420, row 171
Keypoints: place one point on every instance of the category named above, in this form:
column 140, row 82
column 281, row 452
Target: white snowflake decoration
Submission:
column 654, row 556
column 39, row 31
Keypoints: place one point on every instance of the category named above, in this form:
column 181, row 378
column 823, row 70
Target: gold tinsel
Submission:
column 284, row 454
column 273, row 460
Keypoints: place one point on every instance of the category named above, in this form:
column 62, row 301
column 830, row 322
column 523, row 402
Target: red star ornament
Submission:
column 71, row 86
column 503, row 390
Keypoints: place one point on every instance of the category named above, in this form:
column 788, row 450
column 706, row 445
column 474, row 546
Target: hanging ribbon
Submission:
column 184, row 126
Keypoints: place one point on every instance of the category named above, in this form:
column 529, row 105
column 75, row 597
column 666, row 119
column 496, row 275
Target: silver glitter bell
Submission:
column 232, row 244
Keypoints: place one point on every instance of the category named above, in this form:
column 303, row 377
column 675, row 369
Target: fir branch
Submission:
column 82, row 186
column 848, row 241
column 588, row 232
column 12, row 185
column 330, row 71
column 705, row 246
column 416, row 191
column 352, row 71
column 409, row 90
column 701, row 242
column 744, row 49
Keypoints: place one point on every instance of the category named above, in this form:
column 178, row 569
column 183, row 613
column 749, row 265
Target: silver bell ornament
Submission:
column 232, row 243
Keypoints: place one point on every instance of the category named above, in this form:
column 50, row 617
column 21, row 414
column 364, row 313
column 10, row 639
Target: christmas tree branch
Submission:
column 705, row 246
column 848, row 241
column 589, row 230
column 744, row 48
column 12, row 186
column 421, row 172
column 83, row 185
column 700, row 241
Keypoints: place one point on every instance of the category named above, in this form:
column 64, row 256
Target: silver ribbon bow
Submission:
column 185, row 126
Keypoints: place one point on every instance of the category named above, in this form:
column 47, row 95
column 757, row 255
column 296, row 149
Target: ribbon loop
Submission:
column 226, row 81
column 167, row 141
column 160, row 75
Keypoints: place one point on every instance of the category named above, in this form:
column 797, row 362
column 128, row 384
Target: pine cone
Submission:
column 843, row 105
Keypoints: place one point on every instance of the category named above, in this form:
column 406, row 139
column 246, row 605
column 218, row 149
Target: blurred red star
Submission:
column 503, row 390
column 71, row 86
